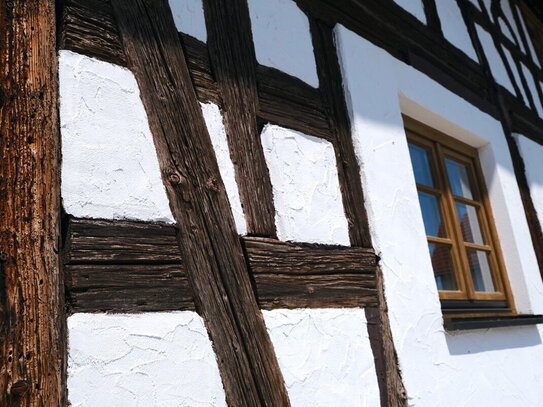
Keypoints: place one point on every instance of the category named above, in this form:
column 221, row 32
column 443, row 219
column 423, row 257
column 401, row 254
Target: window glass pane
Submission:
column 433, row 223
column 443, row 266
column 420, row 160
column 469, row 223
column 480, row 270
column 459, row 179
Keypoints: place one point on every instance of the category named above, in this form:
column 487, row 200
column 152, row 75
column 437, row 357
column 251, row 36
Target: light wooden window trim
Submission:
column 441, row 146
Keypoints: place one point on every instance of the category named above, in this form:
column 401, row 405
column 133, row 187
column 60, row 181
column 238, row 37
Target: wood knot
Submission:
column 19, row 388
column 213, row 184
column 3, row 257
column 174, row 178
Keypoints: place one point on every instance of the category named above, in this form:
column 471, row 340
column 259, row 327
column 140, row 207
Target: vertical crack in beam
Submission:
column 32, row 321
column 391, row 387
column 207, row 237
column 233, row 62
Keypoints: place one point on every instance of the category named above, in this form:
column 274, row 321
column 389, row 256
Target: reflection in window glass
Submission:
column 480, row 270
column 421, row 165
column 433, row 223
column 469, row 223
column 443, row 266
column 459, row 179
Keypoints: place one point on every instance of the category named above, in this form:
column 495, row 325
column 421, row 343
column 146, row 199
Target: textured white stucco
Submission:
column 494, row 60
column 142, row 360
column 307, row 198
column 189, row 17
column 325, row 357
column 282, row 38
column 515, row 70
column 532, row 154
column 500, row 367
column 109, row 164
column 415, row 7
column 453, row 26
column 215, row 126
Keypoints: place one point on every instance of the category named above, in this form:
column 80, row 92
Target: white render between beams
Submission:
column 188, row 16
column 500, row 366
column 109, row 164
column 532, row 86
column 142, row 360
column 415, row 7
column 325, row 356
column 497, row 66
column 303, row 172
column 532, row 154
column 454, row 28
column 215, row 126
column 282, row 38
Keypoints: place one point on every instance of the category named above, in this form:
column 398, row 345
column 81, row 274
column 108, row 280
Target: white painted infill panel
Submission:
column 109, row 164
column 215, row 126
column 325, row 356
column 494, row 60
column 454, row 27
column 516, row 74
column 415, row 7
column 189, row 17
column 306, row 192
column 282, row 38
column 142, row 360
column 532, row 85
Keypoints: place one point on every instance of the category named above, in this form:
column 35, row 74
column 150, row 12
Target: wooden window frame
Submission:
column 441, row 146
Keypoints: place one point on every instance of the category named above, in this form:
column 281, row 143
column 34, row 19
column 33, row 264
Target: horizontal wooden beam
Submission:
column 127, row 266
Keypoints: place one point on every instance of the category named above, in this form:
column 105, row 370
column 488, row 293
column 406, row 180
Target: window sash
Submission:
column 440, row 147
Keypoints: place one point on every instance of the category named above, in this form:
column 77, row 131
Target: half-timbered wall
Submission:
column 110, row 171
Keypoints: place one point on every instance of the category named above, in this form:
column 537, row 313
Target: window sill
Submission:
column 460, row 324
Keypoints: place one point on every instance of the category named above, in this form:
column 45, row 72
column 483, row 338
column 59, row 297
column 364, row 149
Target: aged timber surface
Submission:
column 233, row 60
column 32, row 321
column 123, row 266
column 215, row 264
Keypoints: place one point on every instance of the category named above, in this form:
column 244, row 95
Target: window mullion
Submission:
column 449, row 213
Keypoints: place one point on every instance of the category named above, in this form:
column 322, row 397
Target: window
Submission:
column 462, row 240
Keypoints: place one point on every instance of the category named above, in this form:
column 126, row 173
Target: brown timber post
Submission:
column 32, row 334
column 216, row 267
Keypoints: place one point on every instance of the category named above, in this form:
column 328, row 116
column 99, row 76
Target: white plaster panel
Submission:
column 494, row 60
column 532, row 154
column 415, row 7
column 454, row 28
column 142, row 360
column 499, row 367
column 109, row 164
column 215, row 126
column 306, row 190
column 325, row 356
column 189, row 17
column 282, row 38
column 532, row 86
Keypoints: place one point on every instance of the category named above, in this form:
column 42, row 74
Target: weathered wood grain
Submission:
column 89, row 28
column 32, row 320
column 200, row 69
column 233, row 61
column 123, row 266
column 289, row 102
column 212, row 253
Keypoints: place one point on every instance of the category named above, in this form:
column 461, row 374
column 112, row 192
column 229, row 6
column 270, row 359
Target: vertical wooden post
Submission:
column 32, row 342
column 211, row 249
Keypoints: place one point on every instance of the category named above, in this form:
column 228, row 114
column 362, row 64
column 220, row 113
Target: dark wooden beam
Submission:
column 215, row 264
column 391, row 387
column 233, row 61
column 123, row 266
column 88, row 27
column 32, row 319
